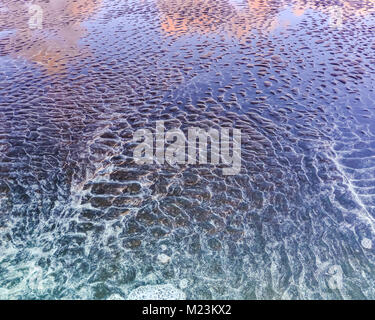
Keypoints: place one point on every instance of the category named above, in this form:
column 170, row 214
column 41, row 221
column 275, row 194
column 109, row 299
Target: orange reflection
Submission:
column 238, row 19
column 47, row 32
column 337, row 13
column 206, row 16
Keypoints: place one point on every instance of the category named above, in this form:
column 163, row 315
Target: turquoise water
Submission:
column 80, row 220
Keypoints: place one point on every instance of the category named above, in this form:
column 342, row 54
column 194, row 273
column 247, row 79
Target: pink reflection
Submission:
column 47, row 32
column 239, row 18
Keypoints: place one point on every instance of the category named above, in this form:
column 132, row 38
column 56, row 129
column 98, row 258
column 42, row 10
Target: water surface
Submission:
column 80, row 220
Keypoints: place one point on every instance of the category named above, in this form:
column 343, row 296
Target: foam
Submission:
column 157, row 292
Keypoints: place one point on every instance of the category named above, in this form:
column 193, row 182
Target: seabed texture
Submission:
column 80, row 220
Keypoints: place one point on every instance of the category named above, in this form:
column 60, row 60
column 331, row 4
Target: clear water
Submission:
column 80, row 220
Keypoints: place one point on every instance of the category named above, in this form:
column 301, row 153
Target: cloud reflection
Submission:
column 239, row 18
column 46, row 32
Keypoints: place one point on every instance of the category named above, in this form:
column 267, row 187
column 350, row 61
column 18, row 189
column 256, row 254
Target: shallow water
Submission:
column 79, row 219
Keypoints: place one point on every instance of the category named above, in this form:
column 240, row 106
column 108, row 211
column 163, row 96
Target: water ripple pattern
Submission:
column 79, row 219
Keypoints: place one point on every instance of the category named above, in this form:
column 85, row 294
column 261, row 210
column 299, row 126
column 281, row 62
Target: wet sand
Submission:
column 80, row 219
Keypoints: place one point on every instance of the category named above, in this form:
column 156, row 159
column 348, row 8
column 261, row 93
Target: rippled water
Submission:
column 79, row 219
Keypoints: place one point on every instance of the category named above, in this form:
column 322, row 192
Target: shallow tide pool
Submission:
column 80, row 219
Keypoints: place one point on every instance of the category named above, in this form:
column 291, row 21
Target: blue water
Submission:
column 80, row 220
